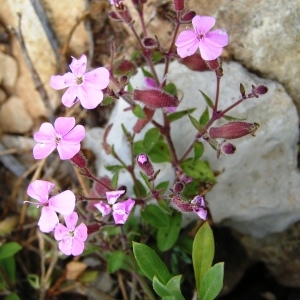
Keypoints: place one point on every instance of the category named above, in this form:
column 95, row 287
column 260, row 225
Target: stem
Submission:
column 217, row 94
column 88, row 174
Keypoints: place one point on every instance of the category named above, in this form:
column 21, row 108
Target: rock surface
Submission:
column 258, row 188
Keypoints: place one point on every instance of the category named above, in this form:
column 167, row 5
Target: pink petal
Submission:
column 103, row 208
column 77, row 246
column 71, row 221
column 217, row 38
column 209, row 51
column 63, row 203
column 97, row 79
column 59, row 82
column 45, row 134
column 69, row 97
column 39, row 190
column 78, row 66
column 65, row 246
column 89, row 97
column 75, row 136
column 122, row 210
column 41, row 151
column 187, row 43
column 63, row 125
column 203, row 24
column 113, row 196
column 67, row 151
column 81, row 232
column 202, row 213
column 150, row 83
column 48, row 219
column 60, row 232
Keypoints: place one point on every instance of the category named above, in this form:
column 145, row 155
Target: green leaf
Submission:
column 115, row 178
column 146, row 180
column 139, row 190
column 147, row 73
column 203, row 253
column 174, row 287
column 185, row 243
column 162, row 186
column 229, row 118
column 207, row 100
column 171, row 89
column 113, row 168
column 151, row 138
column 88, row 276
column 150, row 263
column 138, row 112
column 160, row 289
column 160, row 152
column 198, row 170
column 153, row 215
column 204, row 117
column 212, row 282
column 129, row 88
column 196, row 124
column 8, row 267
column 34, row 281
column 107, row 100
column 116, row 261
column 12, row 296
column 158, row 56
column 138, row 148
column 167, row 236
column 9, row 249
column 198, row 150
column 179, row 114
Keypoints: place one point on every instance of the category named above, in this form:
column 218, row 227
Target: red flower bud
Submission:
column 195, row 62
column 179, row 5
column 79, row 160
column 259, row 90
column 233, row 130
column 150, row 43
column 155, row 98
column 226, row 148
column 214, row 64
column 124, row 67
column 188, row 17
column 178, row 187
column 145, row 164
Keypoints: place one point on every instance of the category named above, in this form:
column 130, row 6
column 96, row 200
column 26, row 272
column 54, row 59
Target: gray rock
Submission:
column 258, row 188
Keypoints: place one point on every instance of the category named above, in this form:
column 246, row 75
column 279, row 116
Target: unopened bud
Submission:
column 145, row 164
column 233, row 130
column 187, row 17
column 214, row 64
column 155, row 98
column 178, row 187
column 195, row 62
column 150, row 43
column 124, row 67
column 179, row 5
column 259, row 90
column 226, row 148
column 91, row 228
column 79, row 160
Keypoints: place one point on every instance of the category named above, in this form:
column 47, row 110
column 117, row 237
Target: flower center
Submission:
column 79, row 80
column 58, row 138
column 71, row 234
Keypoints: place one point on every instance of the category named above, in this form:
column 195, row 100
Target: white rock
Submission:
column 258, row 189
column 8, row 71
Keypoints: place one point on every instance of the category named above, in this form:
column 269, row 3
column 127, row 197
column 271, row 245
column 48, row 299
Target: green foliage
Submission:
column 207, row 100
column 151, row 139
column 179, row 114
column 155, row 216
column 138, row 112
column 204, row 117
column 195, row 123
column 117, row 260
column 170, row 88
column 198, row 170
column 198, row 150
column 157, row 57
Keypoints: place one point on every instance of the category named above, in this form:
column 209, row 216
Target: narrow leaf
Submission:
column 204, row 117
column 115, row 178
column 207, row 100
column 198, row 150
column 138, row 112
column 146, row 180
column 159, row 288
column 174, row 286
column 179, row 114
column 170, row 88
column 9, row 249
column 196, row 124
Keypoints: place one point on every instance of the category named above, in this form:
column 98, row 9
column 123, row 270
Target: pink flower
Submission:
column 85, row 87
column 120, row 210
column 71, row 237
column 63, row 203
column 210, row 43
column 62, row 136
column 199, row 207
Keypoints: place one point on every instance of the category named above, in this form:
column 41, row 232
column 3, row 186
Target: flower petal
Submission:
column 97, row 79
column 63, row 125
column 69, row 97
column 209, row 51
column 202, row 213
column 42, row 150
column 65, row 246
column 59, row 82
column 45, row 134
column 187, row 43
column 203, row 24
column 103, row 208
column 71, row 221
column 39, row 190
column 67, row 151
column 217, row 38
column 48, row 219
column 78, row 66
column 75, row 136
column 113, row 196
column 77, row 246
column 63, row 203
column 60, row 232
column 81, row 232
column 122, row 210
column 89, row 97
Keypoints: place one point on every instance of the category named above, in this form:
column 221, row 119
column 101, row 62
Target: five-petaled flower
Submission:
column 63, row 203
column 120, row 210
column 71, row 237
column 210, row 43
column 62, row 136
column 84, row 87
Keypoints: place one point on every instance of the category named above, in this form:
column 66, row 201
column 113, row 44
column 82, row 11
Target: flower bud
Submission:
column 195, row 62
column 79, row 160
column 178, row 187
column 179, row 5
column 145, row 164
column 187, row 17
column 233, row 130
column 150, row 43
column 214, row 64
column 124, row 67
column 155, row 98
column 259, row 90
column 91, row 228
column 226, row 148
